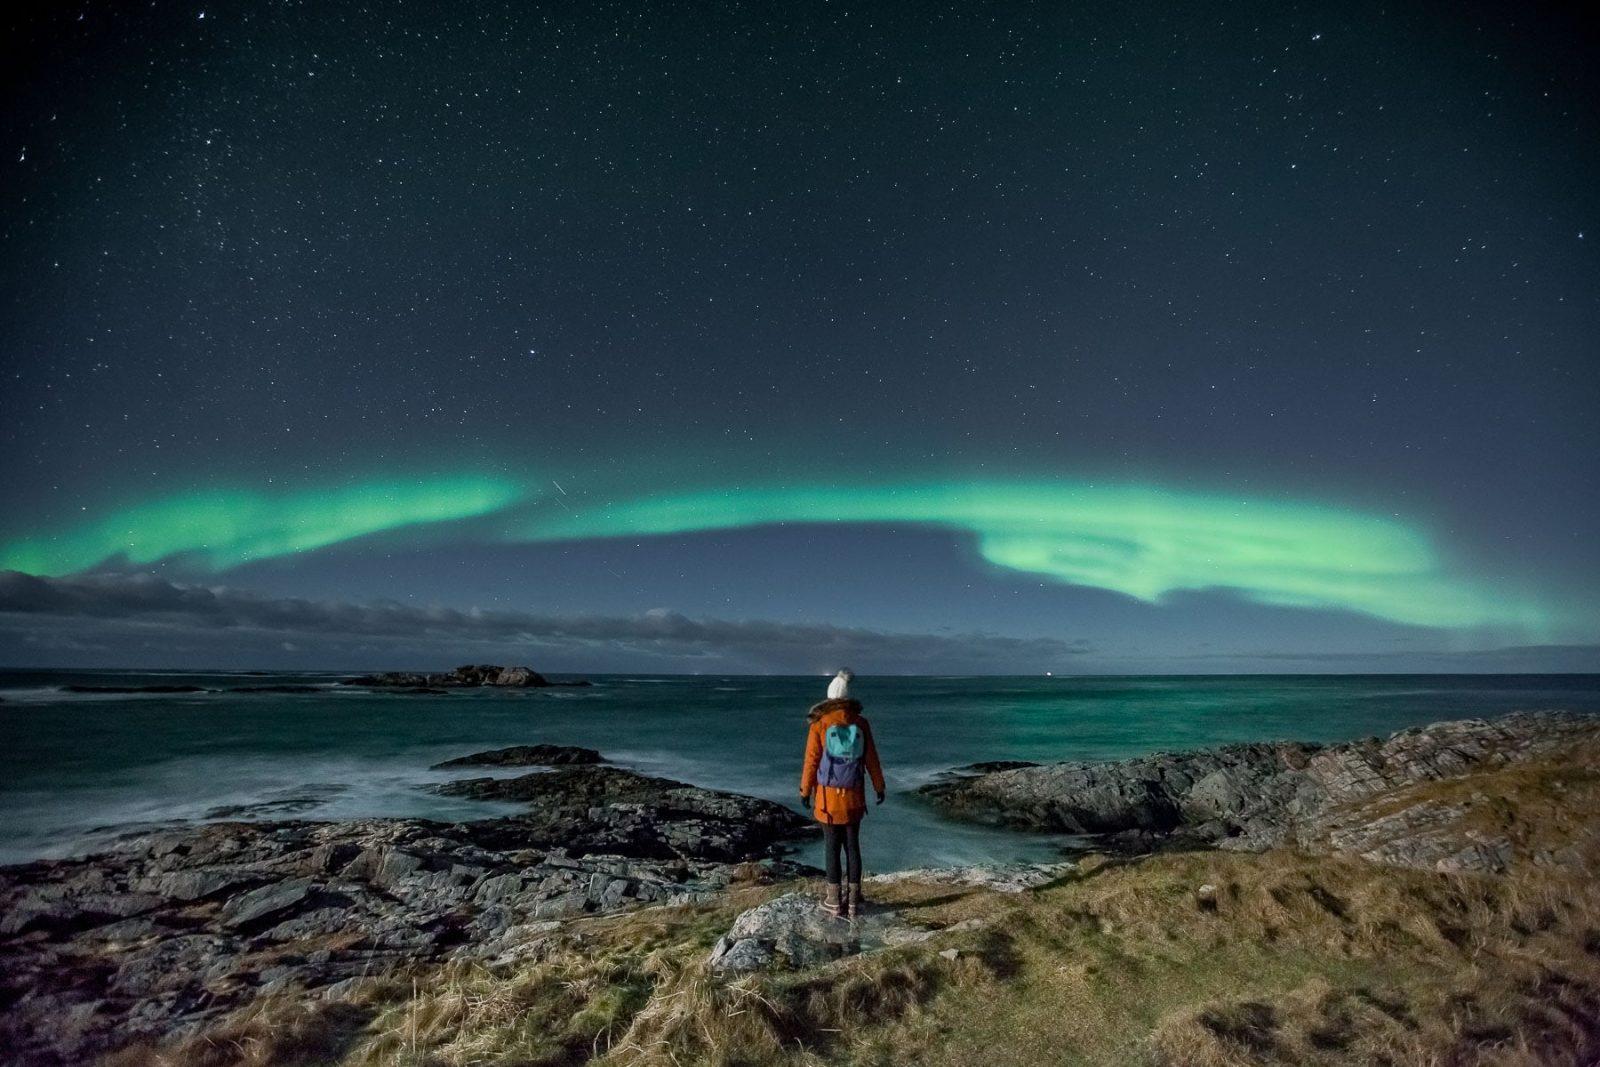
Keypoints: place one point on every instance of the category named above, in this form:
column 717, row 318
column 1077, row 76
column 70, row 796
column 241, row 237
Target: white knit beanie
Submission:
column 839, row 688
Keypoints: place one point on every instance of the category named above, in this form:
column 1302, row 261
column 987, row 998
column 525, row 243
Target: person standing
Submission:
column 840, row 756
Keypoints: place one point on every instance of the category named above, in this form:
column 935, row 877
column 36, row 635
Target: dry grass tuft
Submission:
column 276, row 1031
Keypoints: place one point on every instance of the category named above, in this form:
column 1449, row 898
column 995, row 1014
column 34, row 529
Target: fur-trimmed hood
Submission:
column 849, row 706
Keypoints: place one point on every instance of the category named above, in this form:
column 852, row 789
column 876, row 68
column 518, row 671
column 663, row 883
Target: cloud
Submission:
column 132, row 618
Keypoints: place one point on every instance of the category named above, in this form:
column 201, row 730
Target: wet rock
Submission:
column 989, row 766
column 285, row 802
column 595, row 809
column 286, row 688
column 129, row 689
column 525, row 756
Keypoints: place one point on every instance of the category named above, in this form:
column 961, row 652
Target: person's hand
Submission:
column 805, row 799
column 880, row 797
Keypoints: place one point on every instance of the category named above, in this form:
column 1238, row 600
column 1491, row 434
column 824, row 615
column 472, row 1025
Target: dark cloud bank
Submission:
column 100, row 620
column 103, row 619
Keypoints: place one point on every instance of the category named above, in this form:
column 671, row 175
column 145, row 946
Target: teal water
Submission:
column 76, row 769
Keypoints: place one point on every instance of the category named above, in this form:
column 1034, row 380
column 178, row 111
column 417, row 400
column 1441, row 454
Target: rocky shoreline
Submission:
column 1251, row 797
column 168, row 930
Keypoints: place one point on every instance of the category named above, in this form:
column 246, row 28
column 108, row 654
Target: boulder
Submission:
column 790, row 931
column 793, row 932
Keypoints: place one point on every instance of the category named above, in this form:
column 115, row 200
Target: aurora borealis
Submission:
column 1138, row 541
column 228, row 527
column 1252, row 339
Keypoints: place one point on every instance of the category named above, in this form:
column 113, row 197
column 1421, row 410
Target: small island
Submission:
column 470, row 676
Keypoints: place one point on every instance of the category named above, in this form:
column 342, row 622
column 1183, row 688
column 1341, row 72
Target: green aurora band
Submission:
column 227, row 527
column 1141, row 541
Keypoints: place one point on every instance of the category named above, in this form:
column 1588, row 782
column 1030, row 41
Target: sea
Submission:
column 81, row 765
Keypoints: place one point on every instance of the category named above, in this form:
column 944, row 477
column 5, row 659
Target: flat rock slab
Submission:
column 794, row 931
column 525, row 756
column 1001, row 878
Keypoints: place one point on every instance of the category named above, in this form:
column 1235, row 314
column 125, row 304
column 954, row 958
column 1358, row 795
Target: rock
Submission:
column 1250, row 797
column 989, row 766
column 468, row 676
column 603, row 809
column 275, row 689
column 950, row 953
column 128, row 689
column 790, row 931
column 195, row 884
column 794, row 932
column 1002, row 878
column 525, row 756
column 134, row 944
column 265, row 902
column 286, row 802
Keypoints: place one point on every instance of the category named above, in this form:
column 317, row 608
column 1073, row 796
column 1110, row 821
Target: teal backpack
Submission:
column 843, row 747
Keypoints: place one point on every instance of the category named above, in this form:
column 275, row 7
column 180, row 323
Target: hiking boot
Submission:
column 856, row 903
column 830, row 899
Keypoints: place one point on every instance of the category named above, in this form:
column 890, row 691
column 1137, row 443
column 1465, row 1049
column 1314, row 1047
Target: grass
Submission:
column 1288, row 959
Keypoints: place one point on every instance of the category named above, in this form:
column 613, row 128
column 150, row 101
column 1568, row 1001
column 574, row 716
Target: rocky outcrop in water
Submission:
column 524, row 756
column 607, row 809
column 467, row 677
column 1258, row 796
column 131, row 689
column 169, row 929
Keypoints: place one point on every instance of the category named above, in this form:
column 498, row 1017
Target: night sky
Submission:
column 1012, row 337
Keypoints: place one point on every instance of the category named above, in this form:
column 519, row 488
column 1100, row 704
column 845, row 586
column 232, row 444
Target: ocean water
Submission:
column 76, row 769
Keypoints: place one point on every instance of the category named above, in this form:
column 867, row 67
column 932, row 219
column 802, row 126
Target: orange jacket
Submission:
column 834, row 804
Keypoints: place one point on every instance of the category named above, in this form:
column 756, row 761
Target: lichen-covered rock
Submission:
column 794, row 931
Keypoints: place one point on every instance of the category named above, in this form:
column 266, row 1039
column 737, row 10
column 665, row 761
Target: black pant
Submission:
column 847, row 836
